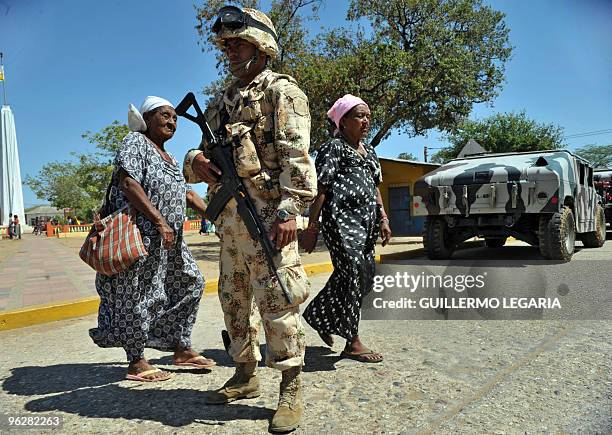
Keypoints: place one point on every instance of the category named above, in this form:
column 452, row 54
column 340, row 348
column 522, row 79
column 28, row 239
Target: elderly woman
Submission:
column 353, row 217
column 154, row 303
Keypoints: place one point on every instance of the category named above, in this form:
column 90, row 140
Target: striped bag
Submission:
column 113, row 244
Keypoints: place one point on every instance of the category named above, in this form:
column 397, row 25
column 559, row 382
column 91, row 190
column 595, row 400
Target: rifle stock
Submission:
column 231, row 186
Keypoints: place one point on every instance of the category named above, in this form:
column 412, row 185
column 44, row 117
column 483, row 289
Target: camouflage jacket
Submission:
column 268, row 123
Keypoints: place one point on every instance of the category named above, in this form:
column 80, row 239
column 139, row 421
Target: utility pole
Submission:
column 426, row 149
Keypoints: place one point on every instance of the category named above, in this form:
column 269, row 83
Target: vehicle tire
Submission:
column 560, row 235
column 436, row 239
column 543, row 235
column 597, row 238
column 495, row 243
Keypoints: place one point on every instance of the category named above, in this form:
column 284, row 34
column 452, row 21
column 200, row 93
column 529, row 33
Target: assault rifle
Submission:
column 221, row 154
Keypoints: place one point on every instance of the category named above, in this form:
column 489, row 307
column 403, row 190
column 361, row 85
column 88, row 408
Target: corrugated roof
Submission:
column 43, row 209
column 411, row 162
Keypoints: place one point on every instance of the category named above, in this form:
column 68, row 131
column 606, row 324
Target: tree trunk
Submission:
column 387, row 125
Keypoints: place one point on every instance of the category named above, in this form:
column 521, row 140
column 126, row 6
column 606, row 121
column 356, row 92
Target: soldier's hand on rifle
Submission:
column 205, row 169
column 284, row 232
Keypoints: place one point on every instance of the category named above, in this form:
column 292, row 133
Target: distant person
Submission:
column 353, row 217
column 16, row 227
column 203, row 226
column 154, row 303
column 11, row 228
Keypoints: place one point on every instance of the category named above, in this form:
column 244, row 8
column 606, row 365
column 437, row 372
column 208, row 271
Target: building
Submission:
column 44, row 212
column 396, row 191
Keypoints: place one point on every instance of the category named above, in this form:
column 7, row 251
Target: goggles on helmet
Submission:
column 232, row 17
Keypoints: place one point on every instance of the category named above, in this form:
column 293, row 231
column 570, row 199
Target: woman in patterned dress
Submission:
column 352, row 218
column 154, row 303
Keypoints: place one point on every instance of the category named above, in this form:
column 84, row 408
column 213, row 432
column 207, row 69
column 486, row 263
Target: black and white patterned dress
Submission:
column 350, row 227
column 155, row 302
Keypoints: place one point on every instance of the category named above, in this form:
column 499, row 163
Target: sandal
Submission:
column 198, row 362
column 362, row 356
column 142, row 376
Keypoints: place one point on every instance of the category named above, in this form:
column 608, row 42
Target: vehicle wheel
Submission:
column 560, row 236
column 436, row 239
column 495, row 243
column 543, row 235
column 597, row 238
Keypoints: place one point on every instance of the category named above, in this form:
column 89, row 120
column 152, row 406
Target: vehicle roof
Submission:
column 527, row 154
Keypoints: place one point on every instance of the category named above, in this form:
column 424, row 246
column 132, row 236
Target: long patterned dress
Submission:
column 350, row 227
column 155, row 302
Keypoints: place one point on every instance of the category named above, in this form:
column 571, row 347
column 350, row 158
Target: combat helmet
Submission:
column 249, row 24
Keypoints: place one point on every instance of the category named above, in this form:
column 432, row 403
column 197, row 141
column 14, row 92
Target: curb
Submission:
column 84, row 307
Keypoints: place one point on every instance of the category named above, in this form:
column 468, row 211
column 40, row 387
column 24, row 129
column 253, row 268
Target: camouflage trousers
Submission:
column 250, row 295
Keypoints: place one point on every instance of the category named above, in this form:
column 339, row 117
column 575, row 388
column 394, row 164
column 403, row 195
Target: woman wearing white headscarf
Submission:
column 154, row 303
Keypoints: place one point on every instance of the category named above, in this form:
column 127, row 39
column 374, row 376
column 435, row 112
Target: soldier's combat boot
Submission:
column 243, row 385
column 289, row 412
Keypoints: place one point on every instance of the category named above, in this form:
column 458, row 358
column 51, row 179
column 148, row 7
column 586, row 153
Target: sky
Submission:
column 74, row 65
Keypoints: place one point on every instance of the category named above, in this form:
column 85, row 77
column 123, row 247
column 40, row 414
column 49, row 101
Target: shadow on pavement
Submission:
column 177, row 407
column 33, row 380
column 319, row 358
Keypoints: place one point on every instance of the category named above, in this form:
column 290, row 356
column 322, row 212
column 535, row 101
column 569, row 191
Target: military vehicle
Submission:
column 603, row 185
column 545, row 198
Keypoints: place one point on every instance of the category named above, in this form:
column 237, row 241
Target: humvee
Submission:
column 545, row 198
column 603, row 185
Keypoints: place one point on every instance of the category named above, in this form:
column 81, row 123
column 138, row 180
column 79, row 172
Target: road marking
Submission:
column 496, row 379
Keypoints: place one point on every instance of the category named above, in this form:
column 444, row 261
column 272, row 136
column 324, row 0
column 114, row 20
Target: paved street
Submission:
column 478, row 376
column 437, row 377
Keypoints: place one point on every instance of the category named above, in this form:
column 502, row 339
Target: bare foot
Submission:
column 327, row 339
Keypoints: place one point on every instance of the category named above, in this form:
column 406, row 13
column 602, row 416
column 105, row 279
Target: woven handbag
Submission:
column 114, row 243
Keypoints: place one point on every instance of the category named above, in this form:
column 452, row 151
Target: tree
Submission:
column 503, row 132
column 407, row 156
column 600, row 156
column 81, row 183
column 420, row 64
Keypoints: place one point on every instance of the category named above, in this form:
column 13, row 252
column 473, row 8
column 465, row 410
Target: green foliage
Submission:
column 109, row 139
column 422, row 64
column 407, row 156
column 599, row 155
column 82, row 182
column 503, row 132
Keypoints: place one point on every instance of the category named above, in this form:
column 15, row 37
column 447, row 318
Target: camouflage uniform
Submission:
column 269, row 125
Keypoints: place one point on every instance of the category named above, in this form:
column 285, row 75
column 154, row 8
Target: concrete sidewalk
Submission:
column 38, row 270
column 501, row 377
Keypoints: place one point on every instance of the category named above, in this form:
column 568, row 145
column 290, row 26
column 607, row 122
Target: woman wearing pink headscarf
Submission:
column 352, row 219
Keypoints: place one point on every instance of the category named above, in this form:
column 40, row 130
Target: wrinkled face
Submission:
column 356, row 123
column 161, row 122
column 238, row 51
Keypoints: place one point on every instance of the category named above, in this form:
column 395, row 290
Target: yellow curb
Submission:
column 47, row 313
column 75, row 235
column 83, row 307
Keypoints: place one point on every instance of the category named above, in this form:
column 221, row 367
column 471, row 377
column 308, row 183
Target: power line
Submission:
column 589, row 133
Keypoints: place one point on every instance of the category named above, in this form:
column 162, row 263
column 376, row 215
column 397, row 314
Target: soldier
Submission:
column 266, row 118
